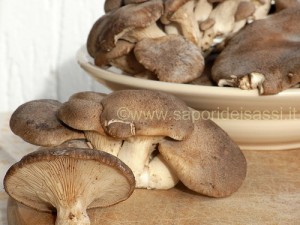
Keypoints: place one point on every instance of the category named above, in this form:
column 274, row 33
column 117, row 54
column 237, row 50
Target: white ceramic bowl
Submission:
column 254, row 122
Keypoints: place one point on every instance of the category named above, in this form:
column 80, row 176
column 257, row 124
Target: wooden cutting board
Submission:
column 270, row 195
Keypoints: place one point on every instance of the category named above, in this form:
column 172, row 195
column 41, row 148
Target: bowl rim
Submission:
column 86, row 62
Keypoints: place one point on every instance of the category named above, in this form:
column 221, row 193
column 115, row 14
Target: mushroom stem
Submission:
column 150, row 172
column 104, row 143
column 135, row 153
column 72, row 215
column 184, row 16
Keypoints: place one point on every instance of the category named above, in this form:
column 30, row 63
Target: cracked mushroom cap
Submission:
column 69, row 180
column 130, row 113
column 36, row 122
column 111, row 27
column 264, row 56
column 172, row 58
column 208, row 161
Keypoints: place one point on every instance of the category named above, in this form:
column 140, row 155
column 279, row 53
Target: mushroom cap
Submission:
column 208, row 161
column 111, row 5
column 172, row 58
column 129, row 113
column 244, row 10
column 36, row 122
column 109, row 28
column 82, row 114
column 283, row 4
column 48, row 178
column 88, row 95
column 270, row 47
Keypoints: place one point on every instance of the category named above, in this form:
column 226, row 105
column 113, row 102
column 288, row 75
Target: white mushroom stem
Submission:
column 172, row 28
column 223, row 15
column 151, row 31
column 149, row 172
column 185, row 18
column 72, row 215
column 161, row 176
column 104, row 143
column 202, row 10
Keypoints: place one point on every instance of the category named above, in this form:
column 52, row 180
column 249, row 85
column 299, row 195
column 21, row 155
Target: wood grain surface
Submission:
column 270, row 195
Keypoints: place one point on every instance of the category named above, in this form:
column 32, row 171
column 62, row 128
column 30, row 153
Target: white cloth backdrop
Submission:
column 38, row 43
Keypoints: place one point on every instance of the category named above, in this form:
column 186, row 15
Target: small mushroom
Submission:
column 208, row 161
column 84, row 115
column 69, row 181
column 36, row 122
column 269, row 59
column 171, row 58
column 182, row 13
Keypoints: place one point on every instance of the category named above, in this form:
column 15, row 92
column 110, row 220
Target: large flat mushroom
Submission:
column 208, row 161
column 264, row 56
column 69, row 181
column 36, row 122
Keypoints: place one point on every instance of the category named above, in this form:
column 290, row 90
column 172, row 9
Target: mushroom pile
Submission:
column 150, row 132
column 176, row 40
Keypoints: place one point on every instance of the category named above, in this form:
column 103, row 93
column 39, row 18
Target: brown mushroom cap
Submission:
column 81, row 114
column 88, row 95
column 130, row 113
column 208, row 161
column 283, row 4
column 109, row 28
column 36, row 123
column 244, row 10
column 70, row 180
column 171, row 58
column 111, row 5
column 264, row 55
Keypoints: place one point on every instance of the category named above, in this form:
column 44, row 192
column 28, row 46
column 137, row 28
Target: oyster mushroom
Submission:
column 269, row 59
column 131, row 22
column 84, row 115
column 208, row 161
column 171, row 58
column 36, row 122
column 69, row 181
